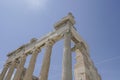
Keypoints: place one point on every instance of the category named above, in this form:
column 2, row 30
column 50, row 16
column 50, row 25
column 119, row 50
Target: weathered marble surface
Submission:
column 64, row 29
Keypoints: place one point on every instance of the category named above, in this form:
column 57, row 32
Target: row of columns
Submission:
column 66, row 64
column 4, row 71
column 20, row 68
column 29, row 72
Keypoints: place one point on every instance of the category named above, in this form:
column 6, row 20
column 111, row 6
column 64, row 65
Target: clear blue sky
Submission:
column 97, row 21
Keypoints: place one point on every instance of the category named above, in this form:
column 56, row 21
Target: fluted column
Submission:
column 30, row 70
column 11, row 70
column 46, row 61
column 6, row 66
column 20, row 68
column 67, row 58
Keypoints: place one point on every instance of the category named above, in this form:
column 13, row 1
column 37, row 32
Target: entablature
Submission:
column 56, row 35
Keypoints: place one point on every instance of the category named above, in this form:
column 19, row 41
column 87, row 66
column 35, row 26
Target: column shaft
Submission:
column 30, row 70
column 46, row 62
column 4, row 72
column 67, row 58
column 11, row 70
column 20, row 68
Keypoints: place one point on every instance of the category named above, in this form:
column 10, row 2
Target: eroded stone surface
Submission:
column 84, row 67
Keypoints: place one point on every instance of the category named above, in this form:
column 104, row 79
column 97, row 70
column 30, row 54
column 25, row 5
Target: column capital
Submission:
column 81, row 46
column 50, row 42
column 36, row 50
column 23, row 56
column 6, row 65
column 68, row 31
column 14, row 61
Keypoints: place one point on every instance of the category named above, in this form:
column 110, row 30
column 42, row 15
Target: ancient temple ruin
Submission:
column 64, row 29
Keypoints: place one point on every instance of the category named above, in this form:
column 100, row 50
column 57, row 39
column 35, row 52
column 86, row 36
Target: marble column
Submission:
column 6, row 66
column 20, row 68
column 67, row 58
column 46, row 61
column 30, row 70
column 11, row 70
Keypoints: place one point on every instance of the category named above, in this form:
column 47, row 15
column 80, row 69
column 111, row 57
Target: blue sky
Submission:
column 97, row 21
